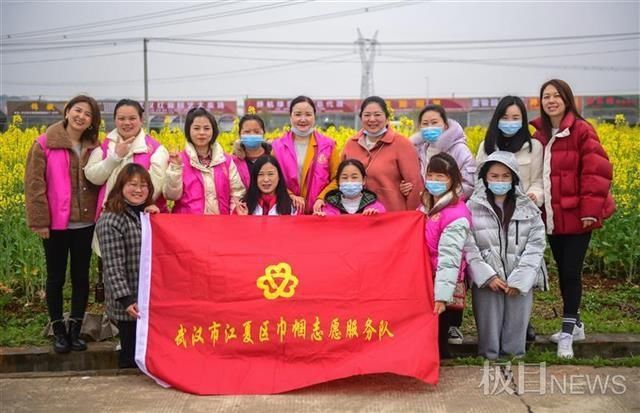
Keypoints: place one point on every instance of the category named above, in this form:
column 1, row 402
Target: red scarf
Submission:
column 267, row 202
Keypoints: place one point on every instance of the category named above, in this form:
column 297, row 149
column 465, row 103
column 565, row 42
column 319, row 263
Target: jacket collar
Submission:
column 58, row 138
column 334, row 198
column 217, row 155
column 525, row 208
column 563, row 131
column 139, row 144
column 388, row 137
column 289, row 140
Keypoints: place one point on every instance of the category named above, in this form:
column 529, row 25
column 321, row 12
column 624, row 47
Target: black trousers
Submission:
column 127, row 356
column 455, row 318
column 444, row 322
column 569, row 252
column 57, row 248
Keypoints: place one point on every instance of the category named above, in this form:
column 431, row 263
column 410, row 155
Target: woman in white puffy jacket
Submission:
column 504, row 256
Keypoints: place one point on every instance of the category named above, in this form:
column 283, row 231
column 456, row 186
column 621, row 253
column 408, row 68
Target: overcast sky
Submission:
column 105, row 57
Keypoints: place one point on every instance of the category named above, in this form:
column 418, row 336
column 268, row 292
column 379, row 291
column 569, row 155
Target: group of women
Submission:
column 486, row 216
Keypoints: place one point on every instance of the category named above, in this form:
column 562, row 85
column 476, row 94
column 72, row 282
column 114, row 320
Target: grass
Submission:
column 535, row 356
column 608, row 306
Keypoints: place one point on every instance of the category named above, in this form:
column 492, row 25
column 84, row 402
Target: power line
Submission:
column 116, row 21
column 412, row 59
column 508, row 62
column 298, row 46
column 304, row 20
column 516, row 40
column 169, row 79
column 208, row 56
column 66, row 59
column 193, row 19
column 74, row 46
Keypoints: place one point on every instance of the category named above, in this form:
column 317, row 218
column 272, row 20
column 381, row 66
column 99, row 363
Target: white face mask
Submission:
column 376, row 134
column 298, row 132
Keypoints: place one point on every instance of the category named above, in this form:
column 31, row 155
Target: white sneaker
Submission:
column 565, row 346
column 578, row 334
column 454, row 336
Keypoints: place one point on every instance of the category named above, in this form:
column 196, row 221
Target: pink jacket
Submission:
column 243, row 170
column 59, row 193
column 318, row 172
column 435, row 225
column 192, row 199
column 143, row 159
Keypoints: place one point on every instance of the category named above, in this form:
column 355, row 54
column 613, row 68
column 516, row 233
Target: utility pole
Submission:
column 367, row 57
column 146, row 85
column 426, row 78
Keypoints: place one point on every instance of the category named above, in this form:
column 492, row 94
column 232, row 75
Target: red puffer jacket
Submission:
column 577, row 177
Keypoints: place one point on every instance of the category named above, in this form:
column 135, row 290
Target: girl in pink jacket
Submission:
column 447, row 225
column 351, row 197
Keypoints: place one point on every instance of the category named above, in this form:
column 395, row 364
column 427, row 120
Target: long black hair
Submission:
column 283, row 201
column 509, row 205
column 566, row 94
column 494, row 137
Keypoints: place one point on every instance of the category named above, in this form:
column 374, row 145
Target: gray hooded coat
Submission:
column 514, row 255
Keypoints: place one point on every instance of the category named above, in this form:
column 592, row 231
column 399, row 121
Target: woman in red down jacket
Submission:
column 577, row 178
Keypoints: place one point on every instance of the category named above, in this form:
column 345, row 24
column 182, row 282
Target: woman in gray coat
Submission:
column 504, row 256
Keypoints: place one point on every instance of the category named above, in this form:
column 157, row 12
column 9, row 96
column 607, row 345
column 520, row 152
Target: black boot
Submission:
column 77, row 344
column 531, row 333
column 61, row 342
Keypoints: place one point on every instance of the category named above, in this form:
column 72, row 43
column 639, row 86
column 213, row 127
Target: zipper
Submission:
column 517, row 222
column 79, row 189
column 504, row 266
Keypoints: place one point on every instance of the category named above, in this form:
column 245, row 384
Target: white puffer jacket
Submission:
column 514, row 255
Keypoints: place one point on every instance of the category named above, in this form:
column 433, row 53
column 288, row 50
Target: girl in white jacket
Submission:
column 504, row 256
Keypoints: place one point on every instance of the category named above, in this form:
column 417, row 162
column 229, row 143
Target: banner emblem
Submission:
column 273, row 289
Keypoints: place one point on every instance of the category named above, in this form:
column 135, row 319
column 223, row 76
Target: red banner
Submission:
column 261, row 305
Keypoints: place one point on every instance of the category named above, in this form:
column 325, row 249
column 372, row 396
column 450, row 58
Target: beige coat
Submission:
column 530, row 165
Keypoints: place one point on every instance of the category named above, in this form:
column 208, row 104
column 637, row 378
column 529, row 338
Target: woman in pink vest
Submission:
column 61, row 207
column 126, row 144
column 267, row 193
column 309, row 160
column 446, row 229
column 202, row 179
column 251, row 145
column 389, row 158
column 351, row 197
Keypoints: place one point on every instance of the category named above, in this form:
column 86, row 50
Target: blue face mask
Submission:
column 499, row 188
column 298, row 132
column 431, row 133
column 436, row 188
column 351, row 189
column 251, row 141
column 509, row 127
column 376, row 134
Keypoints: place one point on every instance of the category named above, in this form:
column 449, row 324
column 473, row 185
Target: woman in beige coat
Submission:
column 508, row 132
